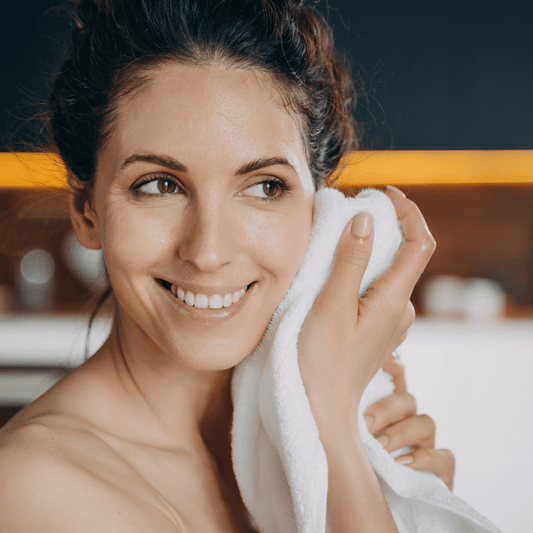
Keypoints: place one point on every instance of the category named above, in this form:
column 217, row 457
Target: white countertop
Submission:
column 44, row 340
column 475, row 380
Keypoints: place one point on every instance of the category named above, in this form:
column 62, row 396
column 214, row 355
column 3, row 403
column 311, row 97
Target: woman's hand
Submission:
column 395, row 423
column 346, row 339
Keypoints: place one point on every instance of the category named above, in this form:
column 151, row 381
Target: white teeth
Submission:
column 227, row 300
column 215, row 301
column 201, row 301
column 189, row 298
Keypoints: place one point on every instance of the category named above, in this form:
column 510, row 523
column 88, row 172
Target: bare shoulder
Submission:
column 55, row 479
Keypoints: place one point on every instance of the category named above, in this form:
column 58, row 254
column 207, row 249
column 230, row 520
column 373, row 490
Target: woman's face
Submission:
column 203, row 188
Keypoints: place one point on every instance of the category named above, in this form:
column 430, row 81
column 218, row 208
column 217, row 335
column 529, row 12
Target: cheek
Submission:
column 133, row 240
column 281, row 240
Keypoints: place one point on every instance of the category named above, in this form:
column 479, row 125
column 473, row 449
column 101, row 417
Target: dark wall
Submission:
column 33, row 37
column 448, row 78
column 437, row 77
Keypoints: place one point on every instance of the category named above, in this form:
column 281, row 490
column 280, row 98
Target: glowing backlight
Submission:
column 395, row 167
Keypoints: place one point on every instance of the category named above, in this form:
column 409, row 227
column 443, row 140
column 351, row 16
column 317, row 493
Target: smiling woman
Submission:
column 196, row 135
column 197, row 169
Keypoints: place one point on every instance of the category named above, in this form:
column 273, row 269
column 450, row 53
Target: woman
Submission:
column 196, row 134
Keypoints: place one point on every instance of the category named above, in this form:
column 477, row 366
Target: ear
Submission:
column 84, row 220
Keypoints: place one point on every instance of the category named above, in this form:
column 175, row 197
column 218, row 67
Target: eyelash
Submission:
column 136, row 188
column 282, row 184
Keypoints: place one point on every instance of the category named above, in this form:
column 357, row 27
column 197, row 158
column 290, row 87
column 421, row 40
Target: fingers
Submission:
column 390, row 410
column 440, row 462
column 404, row 323
column 351, row 259
column 417, row 431
column 395, row 368
column 398, row 282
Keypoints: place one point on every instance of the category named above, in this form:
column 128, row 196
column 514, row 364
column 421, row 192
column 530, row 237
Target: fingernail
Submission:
column 362, row 225
column 396, row 190
column 369, row 421
column 405, row 460
column 383, row 440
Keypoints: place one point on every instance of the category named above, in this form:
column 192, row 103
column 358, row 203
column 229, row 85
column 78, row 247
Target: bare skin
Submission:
column 376, row 323
column 62, row 448
column 395, row 423
column 137, row 439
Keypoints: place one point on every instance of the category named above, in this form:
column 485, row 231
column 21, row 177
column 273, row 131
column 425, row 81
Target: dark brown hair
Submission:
column 115, row 42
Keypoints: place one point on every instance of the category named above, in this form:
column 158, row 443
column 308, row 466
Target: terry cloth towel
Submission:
column 279, row 461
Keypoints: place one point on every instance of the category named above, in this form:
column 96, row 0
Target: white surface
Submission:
column 48, row 340
column 19, row 387
column 474, row 379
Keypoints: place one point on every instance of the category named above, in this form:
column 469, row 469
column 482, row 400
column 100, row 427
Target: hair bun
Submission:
column 114, row 42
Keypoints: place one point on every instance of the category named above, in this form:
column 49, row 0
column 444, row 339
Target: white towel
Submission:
column 279, row 461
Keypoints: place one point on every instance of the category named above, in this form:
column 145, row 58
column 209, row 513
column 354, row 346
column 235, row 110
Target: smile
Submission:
column 201, row 301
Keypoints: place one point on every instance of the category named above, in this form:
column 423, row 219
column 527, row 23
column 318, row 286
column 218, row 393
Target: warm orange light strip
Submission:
column 417, row 167
column 31, row 171
column 421, row 167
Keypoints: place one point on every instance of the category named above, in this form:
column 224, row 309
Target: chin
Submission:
column 213, row 353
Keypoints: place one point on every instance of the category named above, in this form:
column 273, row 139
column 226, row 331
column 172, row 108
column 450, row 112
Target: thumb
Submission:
column 351, row 259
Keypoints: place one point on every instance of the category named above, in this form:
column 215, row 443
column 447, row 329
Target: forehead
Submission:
column 208, row 114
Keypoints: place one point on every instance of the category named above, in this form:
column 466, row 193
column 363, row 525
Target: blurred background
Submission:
column 435, row 79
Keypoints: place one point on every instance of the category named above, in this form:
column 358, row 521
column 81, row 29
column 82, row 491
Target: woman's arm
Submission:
column 395, row 423
column 355, row 500
column 335, row 374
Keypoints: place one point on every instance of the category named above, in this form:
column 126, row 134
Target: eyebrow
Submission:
column 164, row 161
column 262, row 163
column 174, row 164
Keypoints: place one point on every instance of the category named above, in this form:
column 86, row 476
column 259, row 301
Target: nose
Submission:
column 208, row 237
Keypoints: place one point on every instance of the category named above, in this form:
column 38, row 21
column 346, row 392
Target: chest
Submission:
column 201, row 495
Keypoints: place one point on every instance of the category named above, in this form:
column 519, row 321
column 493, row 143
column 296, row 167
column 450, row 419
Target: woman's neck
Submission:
column 183, row 407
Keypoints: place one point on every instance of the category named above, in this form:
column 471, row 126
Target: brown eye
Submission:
column 270, row 188
column 158, row 187
column 166, row 186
